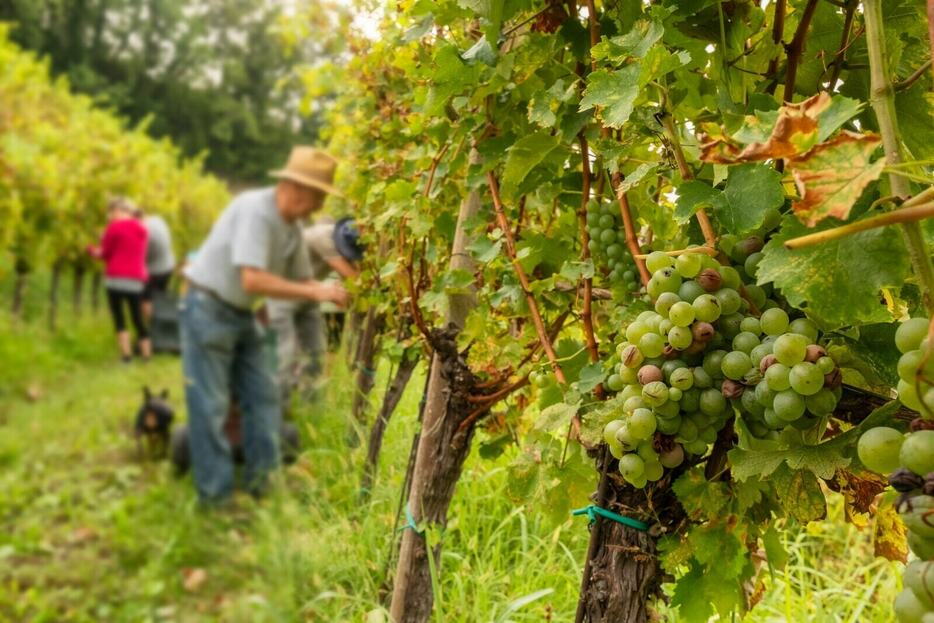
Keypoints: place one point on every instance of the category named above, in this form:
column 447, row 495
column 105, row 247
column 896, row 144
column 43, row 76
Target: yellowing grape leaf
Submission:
column 889, row 534
column 795, row 132
column 832, row 176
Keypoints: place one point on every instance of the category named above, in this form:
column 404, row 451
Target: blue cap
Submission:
column 347, row 240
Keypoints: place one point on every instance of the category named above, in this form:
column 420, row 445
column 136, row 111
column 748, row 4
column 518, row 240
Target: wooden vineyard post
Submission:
column 438, row 462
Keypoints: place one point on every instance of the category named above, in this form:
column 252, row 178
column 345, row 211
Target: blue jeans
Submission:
column 223, row 356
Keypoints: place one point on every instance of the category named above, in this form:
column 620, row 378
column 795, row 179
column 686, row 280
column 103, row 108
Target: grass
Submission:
column 90, row 533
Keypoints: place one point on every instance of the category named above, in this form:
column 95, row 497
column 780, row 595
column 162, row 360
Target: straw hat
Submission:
column 310, row 167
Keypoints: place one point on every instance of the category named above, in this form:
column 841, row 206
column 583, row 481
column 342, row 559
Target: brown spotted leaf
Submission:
column 795, row 132
column 889, row 534
column 831, row 177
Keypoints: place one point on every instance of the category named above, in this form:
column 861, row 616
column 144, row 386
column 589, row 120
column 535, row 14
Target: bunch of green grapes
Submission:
column 701, row 356
column 910, row 461
column 608, row 248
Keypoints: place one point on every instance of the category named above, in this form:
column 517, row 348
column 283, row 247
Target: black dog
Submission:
column 153, row 424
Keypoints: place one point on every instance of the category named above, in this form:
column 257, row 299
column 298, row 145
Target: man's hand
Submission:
column 333, row 292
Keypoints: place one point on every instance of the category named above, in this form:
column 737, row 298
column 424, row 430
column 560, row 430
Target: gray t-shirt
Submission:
column 160, row 258
column 249, row 233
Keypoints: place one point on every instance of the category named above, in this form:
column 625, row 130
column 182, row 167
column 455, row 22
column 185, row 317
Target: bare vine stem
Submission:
column 587, row 307
column 523, row 279
column 905, row 215
column 882, row 99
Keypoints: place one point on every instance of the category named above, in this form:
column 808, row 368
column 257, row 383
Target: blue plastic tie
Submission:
column 410, row 522
column 592, row 511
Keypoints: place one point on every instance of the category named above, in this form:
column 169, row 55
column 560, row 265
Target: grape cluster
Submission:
column 702, row 356
column 909, row 459
column 608, row 248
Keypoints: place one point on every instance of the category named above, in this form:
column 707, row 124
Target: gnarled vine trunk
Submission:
column 19, row 287
column 442, row 446
column 366, row 374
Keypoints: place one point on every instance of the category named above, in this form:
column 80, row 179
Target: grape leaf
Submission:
column 832, row 176
column 823, row 460
column 692, row 196
column 555, row 417
column 752, row 190
column 700, row 497
column 889, row 533
column 637, row 42
column 613, row 93
column 522, row 157
column 837, row 282
column 795, row 132
column 775, row 552
column 800, row 494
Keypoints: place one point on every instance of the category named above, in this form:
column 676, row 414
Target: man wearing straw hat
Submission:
column 254, row 250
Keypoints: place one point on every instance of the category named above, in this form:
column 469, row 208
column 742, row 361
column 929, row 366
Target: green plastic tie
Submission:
column 592, row 511
column 410, row 522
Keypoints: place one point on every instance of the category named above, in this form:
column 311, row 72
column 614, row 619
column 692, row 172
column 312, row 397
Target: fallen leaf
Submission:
column 193, row 578
column 82, row 535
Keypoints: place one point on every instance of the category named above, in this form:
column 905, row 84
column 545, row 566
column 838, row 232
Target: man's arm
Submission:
column 342, row 267
column 264, row 283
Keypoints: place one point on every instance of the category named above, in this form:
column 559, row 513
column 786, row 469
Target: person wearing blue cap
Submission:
column 299, row 325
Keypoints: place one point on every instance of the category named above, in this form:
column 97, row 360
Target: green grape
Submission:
column 670, row 409
column 712, row 402
column 821, row 403
column 655, row 394
column 735, row 365
column 653, row 470
column 826, row 365
column 665, row 302
column 636, row 330
column 689, row 264
column 751, row 404
column 908, row 365
column 607, row 221
column 730, row 325
column 646, row 452
column 758, row 353
column 631, row 466
column 665, row 326
column 751, row 325
column 788, row 405
column 706, row 308
column 542, row 380
column 772, row 420
column 696, row 447
column 658, row 260
column 625, row 437
column 730, row 301
column 702, row 380
column 674, row 394
column 614, row 251
column 745, row 341
column 615, row 383
column 688, row 430
column 610, row 430
column 878, row 449
column 919, row 577
column 653, row 288
column 707, row 435
column 642, row 424
column 909, row 334
column 682, row 378
column 790, row 348
column 690, row 399
column 917, row 452
column 651, row 345
column 774, row 321
column 631, row 403
column 908, row 608
column 771, row 220
column 628, row 375
column 908, row 395
column 730, row 277
column 668, row 426
column 616, row 449
column 668, row 279
column 921, row 547
column 632, row 357
column 751, row 265
column 607, row 236
column 806, row 379
column 681, row 314
column 805, row 327
column 680, row 337
column 713, row 363
column 765, row 395
column 756, row 294
column 690, row 290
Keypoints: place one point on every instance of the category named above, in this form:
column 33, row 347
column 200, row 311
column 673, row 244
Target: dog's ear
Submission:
column 147, row 395
column 165, row 394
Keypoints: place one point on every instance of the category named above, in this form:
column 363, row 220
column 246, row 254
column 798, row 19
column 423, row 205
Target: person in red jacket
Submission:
column 123, row 250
